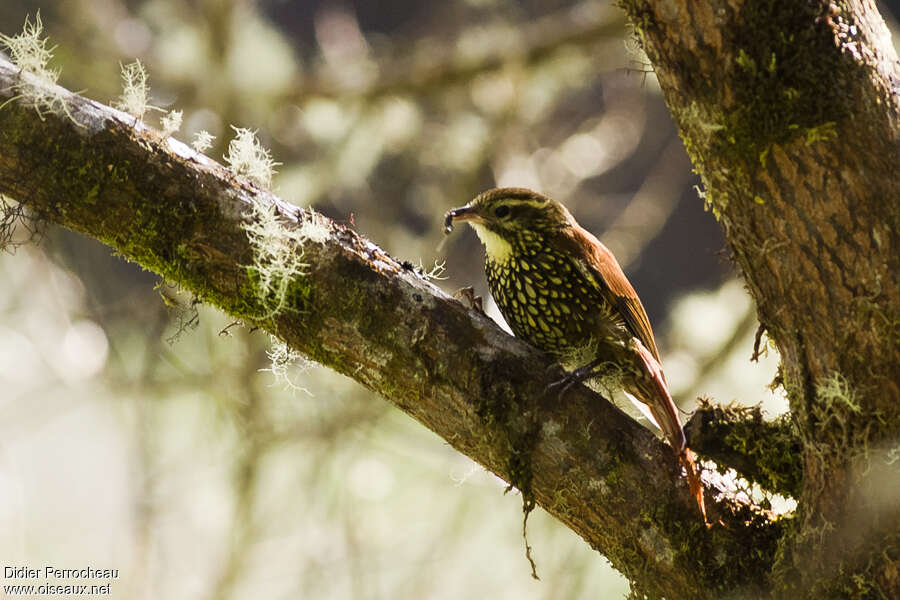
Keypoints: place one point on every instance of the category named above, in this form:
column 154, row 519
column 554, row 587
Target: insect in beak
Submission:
column 466, row 213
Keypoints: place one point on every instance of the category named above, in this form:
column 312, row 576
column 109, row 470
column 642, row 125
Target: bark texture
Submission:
column 366, row 315
column 791, row 114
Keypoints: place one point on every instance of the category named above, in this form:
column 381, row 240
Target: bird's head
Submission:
column 507, row 219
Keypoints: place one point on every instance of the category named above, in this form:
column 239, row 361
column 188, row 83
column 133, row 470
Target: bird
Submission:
column 559, row 288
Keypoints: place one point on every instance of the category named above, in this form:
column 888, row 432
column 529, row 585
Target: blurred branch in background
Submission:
column 433, row 64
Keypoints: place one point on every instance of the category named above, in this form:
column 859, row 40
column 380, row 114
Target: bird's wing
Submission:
column 599, row 264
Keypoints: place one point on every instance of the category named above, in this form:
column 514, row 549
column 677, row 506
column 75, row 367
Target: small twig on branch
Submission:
column 757, row 340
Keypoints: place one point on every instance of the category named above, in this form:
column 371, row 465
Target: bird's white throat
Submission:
column 496, row 248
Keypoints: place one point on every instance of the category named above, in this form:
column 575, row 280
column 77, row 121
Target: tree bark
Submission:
column 791, row 114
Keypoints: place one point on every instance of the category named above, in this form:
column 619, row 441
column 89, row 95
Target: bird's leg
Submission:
column 579, row 375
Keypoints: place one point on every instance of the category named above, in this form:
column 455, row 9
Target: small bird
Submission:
column 563, row 291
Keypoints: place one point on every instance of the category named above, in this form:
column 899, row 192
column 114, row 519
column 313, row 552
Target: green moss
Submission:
column 782, row 81
column 518, row 435
column 864, row 577
column 821, row 133
column 715, row 202
column 773, row 80
column 740, row 573
column 843, row 428
column 745, row 62
column 102, row 192
column 778, row 461
column 766, row 452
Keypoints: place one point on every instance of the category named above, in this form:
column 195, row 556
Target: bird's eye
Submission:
column 501, row 211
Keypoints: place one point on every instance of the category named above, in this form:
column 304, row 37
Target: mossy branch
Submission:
column 767, row 452
column 359, row 311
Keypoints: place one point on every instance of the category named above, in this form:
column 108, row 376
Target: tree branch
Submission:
column 357, row 310
column 767, row 452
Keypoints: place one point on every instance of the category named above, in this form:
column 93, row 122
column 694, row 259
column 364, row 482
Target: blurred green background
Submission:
column 139, row 436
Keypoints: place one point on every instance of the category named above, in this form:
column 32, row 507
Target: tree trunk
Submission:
column 791, row 114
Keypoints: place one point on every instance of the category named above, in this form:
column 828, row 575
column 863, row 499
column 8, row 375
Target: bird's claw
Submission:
column 561, row 386
column 467, row 295
column 579, row 375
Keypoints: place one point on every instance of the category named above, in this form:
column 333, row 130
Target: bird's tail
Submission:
column 653, row 391
column 686, row 458
column 662, row 407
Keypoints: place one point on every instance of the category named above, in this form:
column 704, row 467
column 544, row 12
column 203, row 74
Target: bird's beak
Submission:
column 466, row 213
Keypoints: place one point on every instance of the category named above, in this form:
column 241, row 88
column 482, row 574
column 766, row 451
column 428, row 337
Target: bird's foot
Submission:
column 467, row 295
column 579, row 375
